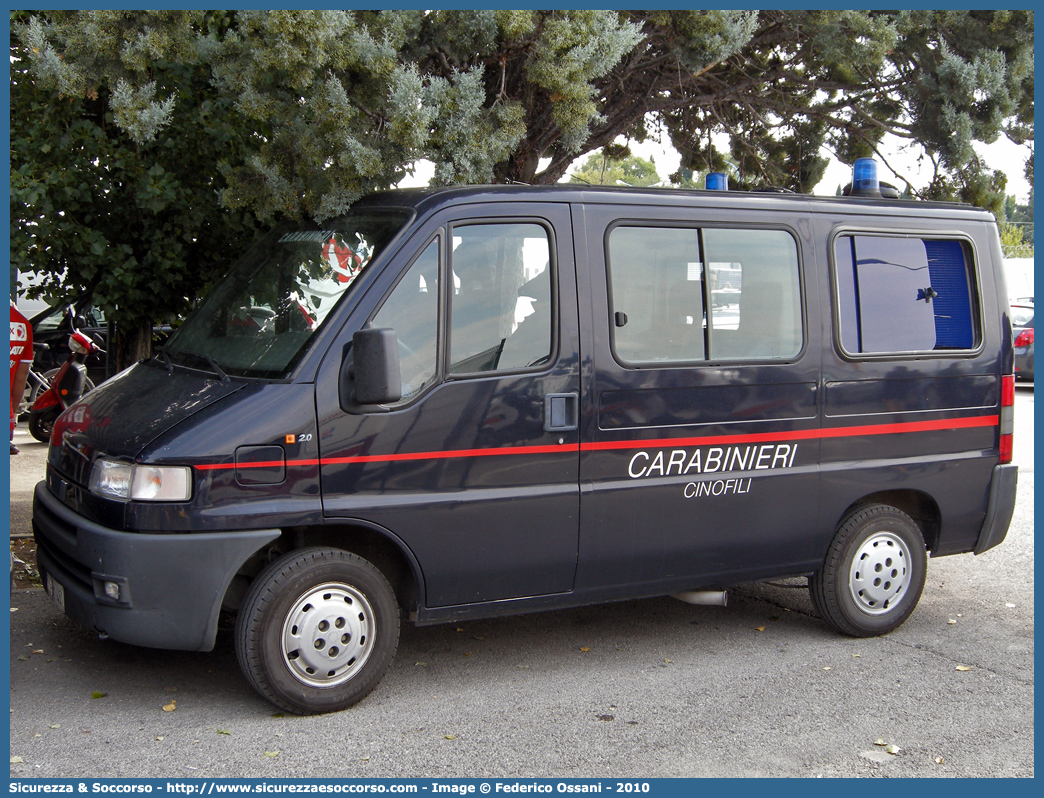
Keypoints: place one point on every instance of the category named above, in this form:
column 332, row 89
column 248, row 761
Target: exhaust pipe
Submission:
column 711, row 598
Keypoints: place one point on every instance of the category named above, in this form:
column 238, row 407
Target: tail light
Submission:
column 1025, row 338
column 1007, row 417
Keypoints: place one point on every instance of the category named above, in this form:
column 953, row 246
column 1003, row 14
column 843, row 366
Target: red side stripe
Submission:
column 800, row 435
column 708, row 440
column 398, row 458
column 259, row 464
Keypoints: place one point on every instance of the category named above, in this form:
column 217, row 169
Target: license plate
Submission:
column 56, row 592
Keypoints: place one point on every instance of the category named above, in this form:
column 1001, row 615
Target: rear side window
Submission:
column 683, row 294
column 904, row 294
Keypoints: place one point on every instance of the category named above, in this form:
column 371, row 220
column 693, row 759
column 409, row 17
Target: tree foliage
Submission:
column 155, row 114
column 138, row 228
column 603, row 169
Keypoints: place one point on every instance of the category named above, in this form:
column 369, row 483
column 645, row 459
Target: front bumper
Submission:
column 170, row 586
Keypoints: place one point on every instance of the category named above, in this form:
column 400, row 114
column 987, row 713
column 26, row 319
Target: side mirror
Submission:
column 370, row 370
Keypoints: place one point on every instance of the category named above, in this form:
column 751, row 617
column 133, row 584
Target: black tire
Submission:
column 41, row 424
column 296, row 644
column 873, row 573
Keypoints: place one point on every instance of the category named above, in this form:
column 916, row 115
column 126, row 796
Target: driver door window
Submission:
column 412, row 310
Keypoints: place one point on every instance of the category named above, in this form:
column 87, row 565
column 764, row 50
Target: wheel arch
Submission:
column 920, row 506
column 374, row 543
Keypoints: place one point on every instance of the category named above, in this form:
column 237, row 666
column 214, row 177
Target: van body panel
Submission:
column 660, row 506
column 124, row 414
column 926, row 423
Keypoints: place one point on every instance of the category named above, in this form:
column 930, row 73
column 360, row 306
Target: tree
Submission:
column 603, row 169
column 319, row 107
column 138, row 228
column 1019, row 217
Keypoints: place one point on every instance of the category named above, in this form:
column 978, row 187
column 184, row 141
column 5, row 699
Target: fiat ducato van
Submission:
column 478, row 401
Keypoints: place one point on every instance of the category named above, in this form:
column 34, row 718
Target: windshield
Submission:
column 259, row 319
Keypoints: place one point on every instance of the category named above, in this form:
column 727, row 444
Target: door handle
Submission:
column 561, row 412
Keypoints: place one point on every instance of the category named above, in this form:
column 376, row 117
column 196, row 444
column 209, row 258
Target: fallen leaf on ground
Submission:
column 963, row 668
column 170, row 707
column 585, row 648
column 159, row 739
column 272, row 754
column 607, row 717
column 55, row 726
column 759, row 628
column 951, row 622
column 224, row 731
column 450, row 736
column 16, row 760
column 856, row 656
column 828, row 668
column 422, row 665
column 97, row 694
column 938, row 760
column 880, row 741
column 893, row 749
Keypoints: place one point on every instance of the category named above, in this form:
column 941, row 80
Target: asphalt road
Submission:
column 651, row 688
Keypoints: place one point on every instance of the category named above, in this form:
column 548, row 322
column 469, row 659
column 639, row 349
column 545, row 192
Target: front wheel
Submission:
column 41, row 424
column 317, row 630
column 873, row 573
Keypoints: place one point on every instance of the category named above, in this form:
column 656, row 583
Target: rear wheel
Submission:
column 873, row 574
column 317, row 630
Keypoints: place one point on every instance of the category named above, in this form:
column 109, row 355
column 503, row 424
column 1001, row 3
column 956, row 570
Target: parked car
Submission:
column 1022, row 329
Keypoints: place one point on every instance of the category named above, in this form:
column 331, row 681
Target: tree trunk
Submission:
column 128, row 343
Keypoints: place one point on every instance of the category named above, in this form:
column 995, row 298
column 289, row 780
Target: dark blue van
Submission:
column 470, row 402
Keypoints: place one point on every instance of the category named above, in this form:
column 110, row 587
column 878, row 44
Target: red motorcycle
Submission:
column 67, row 386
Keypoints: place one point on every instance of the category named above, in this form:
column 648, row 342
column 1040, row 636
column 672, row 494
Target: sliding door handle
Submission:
column 561, row 412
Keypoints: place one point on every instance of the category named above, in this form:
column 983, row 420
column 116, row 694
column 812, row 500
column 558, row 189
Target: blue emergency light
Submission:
column 716, row 181
column 864, row 178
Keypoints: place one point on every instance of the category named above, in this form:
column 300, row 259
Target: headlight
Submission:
column 146, row 483
column 111, row 478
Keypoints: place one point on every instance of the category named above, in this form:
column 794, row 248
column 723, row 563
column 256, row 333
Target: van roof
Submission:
column 427, row 199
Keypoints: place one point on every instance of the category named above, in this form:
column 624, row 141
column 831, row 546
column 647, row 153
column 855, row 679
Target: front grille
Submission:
column 56, row 541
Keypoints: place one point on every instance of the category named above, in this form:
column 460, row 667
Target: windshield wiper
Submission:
column 164, row 355
column 210, row 361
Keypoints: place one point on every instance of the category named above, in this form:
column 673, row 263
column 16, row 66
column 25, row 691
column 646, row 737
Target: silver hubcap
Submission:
column 328, row 635
column 880, row 573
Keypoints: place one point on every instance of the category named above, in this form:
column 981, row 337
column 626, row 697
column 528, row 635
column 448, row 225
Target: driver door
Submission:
column 476, row 468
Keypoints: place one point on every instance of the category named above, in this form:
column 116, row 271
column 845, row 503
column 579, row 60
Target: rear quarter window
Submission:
column 900, row 294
